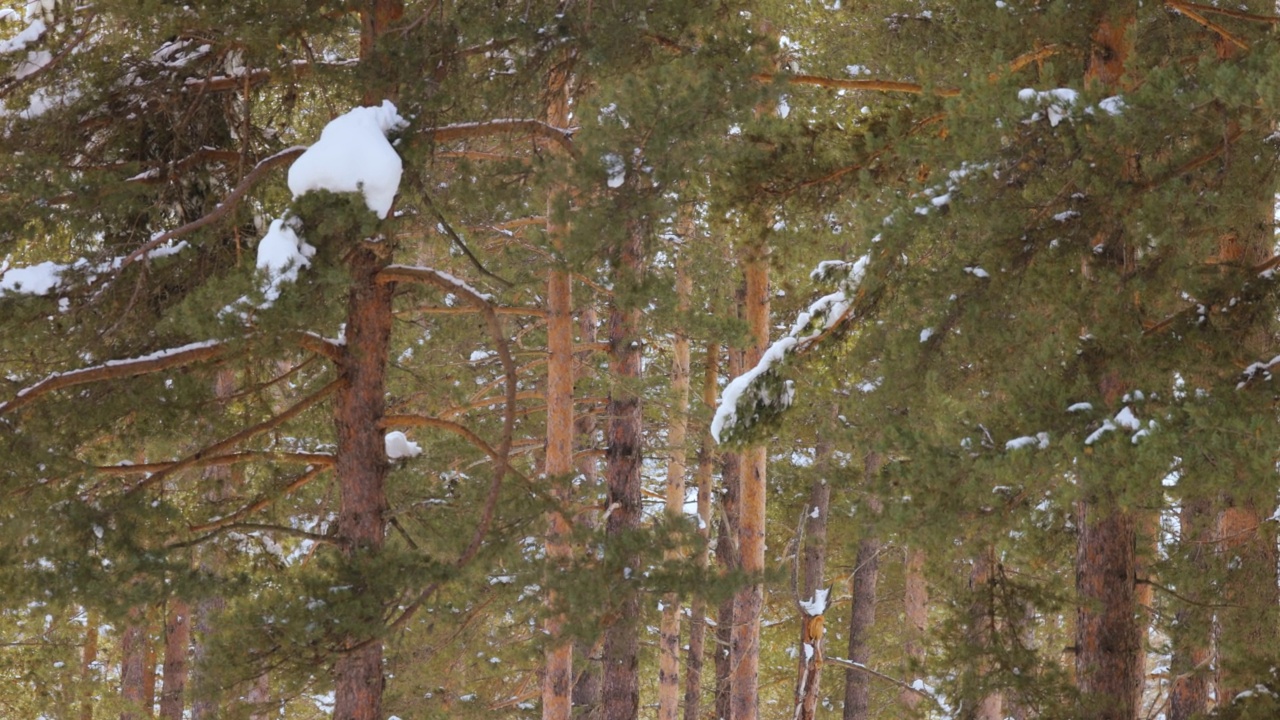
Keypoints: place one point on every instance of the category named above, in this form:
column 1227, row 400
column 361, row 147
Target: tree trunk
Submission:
column 857, row 685
column 133, row 661
column 586, row 685
column 989, row 705
column 698, row 609
column 745, row 647
column 727, row 559
column 258, row 698
column 557, row 681
column 361, row 468
column 88, row 659
column 620, row 693
column 812, row 580
column 677, row 431
column 1108, row 634
column 1247, row 633
column 1189, row 691
column 915, row 614
column 177, row 643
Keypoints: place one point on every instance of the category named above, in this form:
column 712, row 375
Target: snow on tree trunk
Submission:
column 698, row 608
column 177, row 643
column 812, row 577
column 677, row 431
column 745, row 647
column 620, row 692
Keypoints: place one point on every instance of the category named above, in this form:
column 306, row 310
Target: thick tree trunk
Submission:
column 677, row 431
column 620, row 693
column 361, row 468
column 1247, row 630
column 1108, row 633
column 177, row 643
column 698, row 609
column 857, row 685
column 811, row 581
column 133, row 662
column 1189, row 691
column 745, row 647
column 915, row 601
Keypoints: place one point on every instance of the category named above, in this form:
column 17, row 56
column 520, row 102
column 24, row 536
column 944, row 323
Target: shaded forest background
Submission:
column 716, row 359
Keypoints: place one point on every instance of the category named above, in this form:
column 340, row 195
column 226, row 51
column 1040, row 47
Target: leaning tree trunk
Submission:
column 813, row 595
column 698, row 608
column 620, row 692
column 677, row 431
column 745, row 647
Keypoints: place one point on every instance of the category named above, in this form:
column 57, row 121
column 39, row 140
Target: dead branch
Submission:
column 1188, row 10
column 466, row 131
column 868, row 85
column 236, row 458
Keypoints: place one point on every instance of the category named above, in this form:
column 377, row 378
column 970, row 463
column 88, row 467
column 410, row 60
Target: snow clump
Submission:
column 353, row 155
column 399, row 446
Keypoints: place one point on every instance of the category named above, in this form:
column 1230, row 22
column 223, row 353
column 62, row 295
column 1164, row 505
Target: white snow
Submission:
column 35, row 280
column 925, row 334
column 616, row 167
column 353, row 155
column 977, row 272
column 29, row 34
column 727, row 410
column 1126, row 419
column 281, row 254
column 1039, row 440
column 1080, row 407
column 817, row 605
column 399, row 446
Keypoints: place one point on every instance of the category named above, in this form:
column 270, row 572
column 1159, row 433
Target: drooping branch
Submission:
column 222, row 446
column 887, row 678
column 117, row 369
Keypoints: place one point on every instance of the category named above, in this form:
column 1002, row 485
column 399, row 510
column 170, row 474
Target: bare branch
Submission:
column 324, row 459
column 868, row 85
column 465, row 131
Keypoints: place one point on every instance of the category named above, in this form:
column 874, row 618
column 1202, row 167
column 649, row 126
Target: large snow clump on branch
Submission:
column 353, row 155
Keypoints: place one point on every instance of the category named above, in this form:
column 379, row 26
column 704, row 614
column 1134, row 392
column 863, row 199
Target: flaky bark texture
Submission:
column 1189, row 691
column 677, row 431
column 727, row 558
column 621, row 689
column 857, row 685
column 812, row 577
column 177, row 643
column 586, row 684
column 1108, row 632
column 745, row 647
column 88, row 658
column 915, row 599
column 698, row 609
column 361, row 467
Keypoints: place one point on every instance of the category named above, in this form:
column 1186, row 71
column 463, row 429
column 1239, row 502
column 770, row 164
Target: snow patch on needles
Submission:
column 281, row 254
column 760, row 394
column 399, row 446
column 816, row 606
column 353, row 155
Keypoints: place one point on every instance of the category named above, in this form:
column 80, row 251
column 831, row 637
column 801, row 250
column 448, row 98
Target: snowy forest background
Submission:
column 638, row 358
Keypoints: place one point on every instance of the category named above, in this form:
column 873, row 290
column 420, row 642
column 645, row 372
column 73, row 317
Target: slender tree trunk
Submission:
column 557, row 683
column 1189, row 691
column 586, row 685
column 259, row 697
column 698, row 609
column 745, row 648
column 133, row 661
column 620, row 692
column 177, row 643
column 727, row 558
column 149, row 673
column 915, row 601
column 857, row 685
column 811, row 582
column 677, row 431
column 88, row 660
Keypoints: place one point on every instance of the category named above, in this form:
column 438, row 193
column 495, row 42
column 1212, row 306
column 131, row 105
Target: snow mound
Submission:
column 281, row 253
column 353, row 155
column 400, row 446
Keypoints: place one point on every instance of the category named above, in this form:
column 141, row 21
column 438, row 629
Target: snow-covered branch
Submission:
column 116, row 369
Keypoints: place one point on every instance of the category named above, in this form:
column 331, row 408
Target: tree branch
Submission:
column 254, row 506
column 116, row 369
column 324, row 459
column 465, row 131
